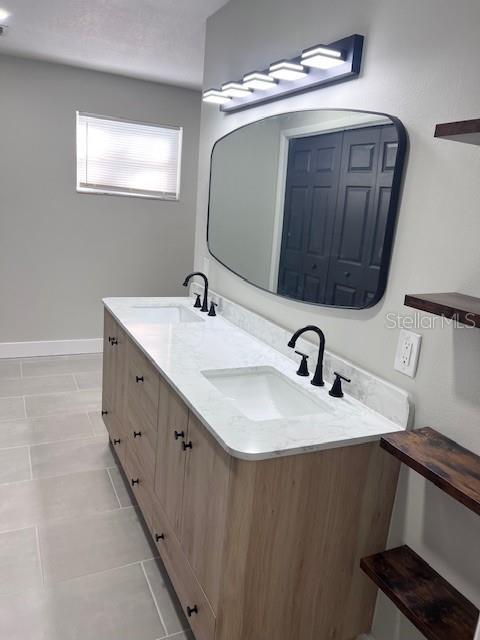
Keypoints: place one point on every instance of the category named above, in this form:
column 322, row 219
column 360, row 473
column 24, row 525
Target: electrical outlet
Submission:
column 408, row 352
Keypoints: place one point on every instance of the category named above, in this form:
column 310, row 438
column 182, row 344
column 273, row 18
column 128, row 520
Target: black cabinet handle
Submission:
column 116, row 441
column 179, row 434
column 134, row 482
column 137, row 434
column 104, row 413
column 110, row 338
column 192, row 610
column 159, row 536
column 187, row 445
column 139, row 379
column 113, row 342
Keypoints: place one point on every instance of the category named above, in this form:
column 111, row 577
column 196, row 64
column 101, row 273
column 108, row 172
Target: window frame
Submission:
column 125, row 193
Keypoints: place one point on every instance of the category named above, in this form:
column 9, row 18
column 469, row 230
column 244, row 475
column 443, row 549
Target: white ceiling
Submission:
column 160, row 40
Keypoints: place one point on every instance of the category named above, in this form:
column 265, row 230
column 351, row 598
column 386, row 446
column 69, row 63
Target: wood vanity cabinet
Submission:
column 256, row 550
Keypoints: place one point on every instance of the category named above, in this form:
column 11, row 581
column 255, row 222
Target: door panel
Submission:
column 113, row 393
column 366, row 176
column 204, row 507
column 170, row 457
column 310, row 203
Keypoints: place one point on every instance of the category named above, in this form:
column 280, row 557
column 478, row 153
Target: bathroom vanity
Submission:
column 260, row 511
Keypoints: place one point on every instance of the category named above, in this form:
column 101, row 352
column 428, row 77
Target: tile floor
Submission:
column 75, row 561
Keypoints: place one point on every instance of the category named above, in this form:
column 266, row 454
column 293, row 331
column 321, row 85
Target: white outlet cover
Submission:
column 408, row 352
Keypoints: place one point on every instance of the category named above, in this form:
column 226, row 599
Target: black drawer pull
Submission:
column 137, row 434
column 116, row 441
column 104, row 413
column 192, row 610
column 159, row 536
column 139, row 379
column 179, row 434
column 113, row 342
column 134, row 482
column 187, row 445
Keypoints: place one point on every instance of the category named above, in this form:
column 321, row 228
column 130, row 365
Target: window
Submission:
column 128, row 158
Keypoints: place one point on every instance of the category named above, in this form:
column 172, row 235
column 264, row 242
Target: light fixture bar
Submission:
column 315, row 67
column 214, row 96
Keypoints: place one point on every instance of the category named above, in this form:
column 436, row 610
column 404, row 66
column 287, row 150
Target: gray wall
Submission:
column 421, row 65
column 61, row 252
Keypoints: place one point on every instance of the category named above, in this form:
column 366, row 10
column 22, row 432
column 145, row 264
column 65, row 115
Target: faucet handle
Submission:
column 303, row 369
column 336, row 391
column 212, row 312
column 198, row 302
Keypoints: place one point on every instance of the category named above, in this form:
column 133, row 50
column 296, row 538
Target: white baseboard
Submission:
column 50, row 348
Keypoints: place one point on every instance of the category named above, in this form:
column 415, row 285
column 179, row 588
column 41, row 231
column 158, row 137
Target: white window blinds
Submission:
column 128, row 158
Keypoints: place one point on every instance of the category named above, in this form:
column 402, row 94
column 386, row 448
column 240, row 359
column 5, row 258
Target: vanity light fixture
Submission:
column 288, row 71
column 4, row 15
column 215, row 97
column 322, row 57
column 235, row 90
column 258, row 81
column 316, row 67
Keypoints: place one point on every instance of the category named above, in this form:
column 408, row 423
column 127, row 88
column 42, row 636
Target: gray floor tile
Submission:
column 40, row 430
column 14, row 465
column 89, row 380
column 114, row 605
column 24, row 504
column 61, row 458
column 122, row 488
column 80, row 546
column 19, row 562
column 74, row 402
column 165, row 597
column 10, row 368
column 98, row 424
column 61, row 364
column 32, row 386
column 11, row 408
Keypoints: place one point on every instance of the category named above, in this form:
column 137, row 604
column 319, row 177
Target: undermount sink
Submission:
column 263, row 393
column 156, row 314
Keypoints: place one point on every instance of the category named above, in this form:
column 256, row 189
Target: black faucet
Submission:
column 317, row 379
column 204, row 307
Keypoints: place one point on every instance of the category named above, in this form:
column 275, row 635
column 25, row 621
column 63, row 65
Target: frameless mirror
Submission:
column 304, row 204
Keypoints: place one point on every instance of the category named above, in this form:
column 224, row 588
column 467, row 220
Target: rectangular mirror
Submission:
column 304, row 204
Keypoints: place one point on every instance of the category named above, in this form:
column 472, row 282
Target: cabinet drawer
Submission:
column 136, row 477
column 143, row 384
column 192, row 598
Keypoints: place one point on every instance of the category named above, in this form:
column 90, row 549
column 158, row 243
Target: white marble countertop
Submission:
column 180, row 352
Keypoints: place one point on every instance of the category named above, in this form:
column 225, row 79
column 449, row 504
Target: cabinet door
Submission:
column 114, row 350
column 204, row 507
column 170, row 457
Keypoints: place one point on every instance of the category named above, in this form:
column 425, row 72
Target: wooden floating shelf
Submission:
column 433, row 605
column 449, row 466
column 457, row 306
column 465, row 131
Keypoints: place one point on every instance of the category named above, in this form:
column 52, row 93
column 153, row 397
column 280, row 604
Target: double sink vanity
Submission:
column 261, row 491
